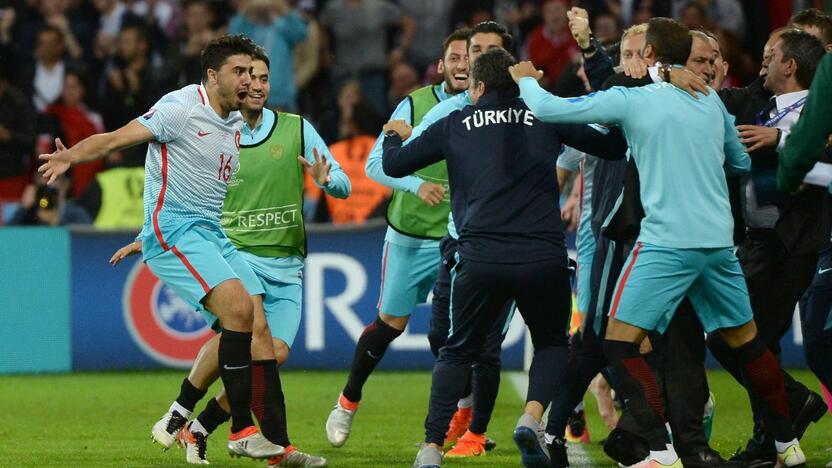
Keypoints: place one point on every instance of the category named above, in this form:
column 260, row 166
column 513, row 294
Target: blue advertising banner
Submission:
column 123, row 317
column 34, row 300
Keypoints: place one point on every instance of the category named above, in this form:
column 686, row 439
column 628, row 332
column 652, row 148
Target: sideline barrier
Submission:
column 63, row 307
column 123, row 317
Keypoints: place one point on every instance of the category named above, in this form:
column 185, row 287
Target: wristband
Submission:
column 591, row 49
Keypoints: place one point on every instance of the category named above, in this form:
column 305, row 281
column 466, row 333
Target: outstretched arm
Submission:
column 92, row 148
column 603, row 107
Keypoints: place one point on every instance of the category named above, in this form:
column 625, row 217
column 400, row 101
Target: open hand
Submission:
column 524, row 69
column 688, row 81
column 132, row 248
column 319, row 170
column 56, row 163
column 756, row 137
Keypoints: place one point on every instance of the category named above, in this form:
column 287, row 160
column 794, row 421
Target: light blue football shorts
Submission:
column 655, row 279
column 202, row 258
column 407, row 277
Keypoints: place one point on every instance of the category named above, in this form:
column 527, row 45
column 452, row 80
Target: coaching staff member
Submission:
column 504, row 199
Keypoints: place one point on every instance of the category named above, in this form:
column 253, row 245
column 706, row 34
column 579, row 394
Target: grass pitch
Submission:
column 104, row 419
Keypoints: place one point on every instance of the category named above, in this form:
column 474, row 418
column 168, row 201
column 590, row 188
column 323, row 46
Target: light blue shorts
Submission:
column 201, row 259
column 583, row 284
column 407, row 276
column 281, row 279
column 655, row 279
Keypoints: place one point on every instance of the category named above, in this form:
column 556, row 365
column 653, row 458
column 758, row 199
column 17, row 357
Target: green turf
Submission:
column 86, row 420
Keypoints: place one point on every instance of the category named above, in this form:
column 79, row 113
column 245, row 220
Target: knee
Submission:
column 397, row 323
column 241, row 312
column 281, row 351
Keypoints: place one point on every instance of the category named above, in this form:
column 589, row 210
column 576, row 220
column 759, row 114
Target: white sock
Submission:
column 197, row 426
column 180, row 409
column 580, row 407
column 549, row 438
column 466, row 402
column 665, row 457
column 782, row 446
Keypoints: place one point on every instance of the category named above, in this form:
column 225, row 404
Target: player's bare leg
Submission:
column 369, row 351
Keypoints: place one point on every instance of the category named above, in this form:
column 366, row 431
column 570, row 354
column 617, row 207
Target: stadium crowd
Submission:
column 719, row 154
column 72, row 68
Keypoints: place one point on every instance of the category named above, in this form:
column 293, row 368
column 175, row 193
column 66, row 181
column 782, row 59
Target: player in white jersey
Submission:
column 194, row 139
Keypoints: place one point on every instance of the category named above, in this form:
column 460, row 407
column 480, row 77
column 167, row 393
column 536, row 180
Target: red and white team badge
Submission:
column 163, row 325
column 237, row 139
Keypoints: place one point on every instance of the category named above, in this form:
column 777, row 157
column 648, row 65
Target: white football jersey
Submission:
column 188, row 166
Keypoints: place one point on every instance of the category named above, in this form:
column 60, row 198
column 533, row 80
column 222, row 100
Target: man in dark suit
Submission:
column 783, row 232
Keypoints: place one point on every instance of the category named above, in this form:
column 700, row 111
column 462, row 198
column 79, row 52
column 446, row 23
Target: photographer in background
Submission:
column 47, row 205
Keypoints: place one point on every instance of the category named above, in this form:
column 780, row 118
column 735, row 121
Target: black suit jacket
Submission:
column 804, row 223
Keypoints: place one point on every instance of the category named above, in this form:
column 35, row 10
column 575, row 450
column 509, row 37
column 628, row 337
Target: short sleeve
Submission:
column 167, row 118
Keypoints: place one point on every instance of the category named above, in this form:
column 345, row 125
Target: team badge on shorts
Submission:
column 163, row 325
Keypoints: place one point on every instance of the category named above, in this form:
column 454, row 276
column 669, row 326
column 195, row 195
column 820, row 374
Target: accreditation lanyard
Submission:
column 777, row 118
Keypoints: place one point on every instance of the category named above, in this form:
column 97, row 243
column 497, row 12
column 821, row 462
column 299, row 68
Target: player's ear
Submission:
column 440, row 67
column 212, row 75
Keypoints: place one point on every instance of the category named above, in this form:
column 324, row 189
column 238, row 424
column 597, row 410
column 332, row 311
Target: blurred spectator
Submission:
column 113, row 15
column 403, row 80
column 471, row 12
column 433, row 21
column 77, row 122
column 131, row 86
column 43, row 80
column 357, row 134
column 276, row 27
column 183, row 58
column 628, row 12
column 694, row 16
column 114, row 198
column 357, row 35
column 726, row 14
column 307, row 56
column 521, row 17
column 77, row 34
column 551, row 46
column 606, row 28
column 350, row 102
column 17, row 135
column 164, row 15
column 816, row 23
column 47, row 205
column 742, row 69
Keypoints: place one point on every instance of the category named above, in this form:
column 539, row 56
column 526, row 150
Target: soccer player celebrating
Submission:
column 275, row 250
column 681, row 165
column 194, row 137
column 417, row 218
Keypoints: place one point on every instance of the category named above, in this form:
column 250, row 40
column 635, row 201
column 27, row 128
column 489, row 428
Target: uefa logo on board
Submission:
column 163, row 325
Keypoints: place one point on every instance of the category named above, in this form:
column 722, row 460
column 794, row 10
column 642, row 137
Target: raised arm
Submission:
column 602, row 107
column 425, row 150
column 337, row 183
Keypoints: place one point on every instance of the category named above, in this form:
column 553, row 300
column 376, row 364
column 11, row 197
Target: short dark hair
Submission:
column 816, row 18
column 491, row 68
column 460, row 34
column 670, row 40
column 806, row 50
column 492, row 27
column 260, row 54
column 217, row 51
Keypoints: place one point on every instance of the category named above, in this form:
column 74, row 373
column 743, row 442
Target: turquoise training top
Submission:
column 682, row 146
